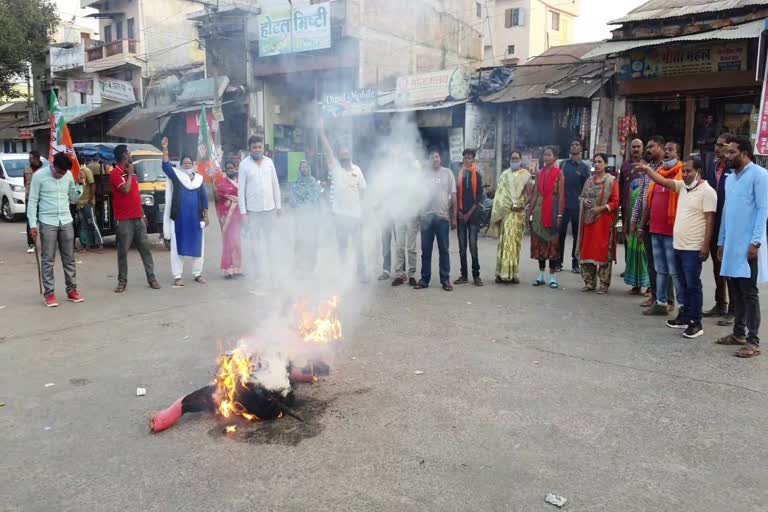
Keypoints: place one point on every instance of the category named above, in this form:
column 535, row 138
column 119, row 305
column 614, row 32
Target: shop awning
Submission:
column 548, row 81
column 100, row 110
column 141, row 124
column 750, row 30
column 417, row 108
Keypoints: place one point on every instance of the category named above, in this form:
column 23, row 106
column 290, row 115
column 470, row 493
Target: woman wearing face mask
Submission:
column 228, row 211
column 186, row 213
column 547, row 205
column 305, row 199
column 597, row 227
column 508, row 218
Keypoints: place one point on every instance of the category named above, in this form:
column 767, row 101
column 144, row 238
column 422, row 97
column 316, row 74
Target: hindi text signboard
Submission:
column 681, row 60
column 294, row 30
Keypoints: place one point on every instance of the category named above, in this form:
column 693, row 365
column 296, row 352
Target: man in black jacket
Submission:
column 724, row 306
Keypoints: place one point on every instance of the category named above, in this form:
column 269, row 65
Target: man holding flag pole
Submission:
column 52, row 191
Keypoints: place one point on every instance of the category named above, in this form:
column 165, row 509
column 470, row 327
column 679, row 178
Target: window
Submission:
column 479, row 9
column 83, row 98
column 513, row 18
column 108, row 34
column 555, row 21
column 511, row 49
column 131, row 26
column 119, row 31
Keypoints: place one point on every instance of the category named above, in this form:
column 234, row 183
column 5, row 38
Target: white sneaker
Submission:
column 30, row 249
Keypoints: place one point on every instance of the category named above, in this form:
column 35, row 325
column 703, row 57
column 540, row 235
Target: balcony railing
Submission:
column 113, row 48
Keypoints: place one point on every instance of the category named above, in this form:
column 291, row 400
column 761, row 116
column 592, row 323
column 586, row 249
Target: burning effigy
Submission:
column 259, row 385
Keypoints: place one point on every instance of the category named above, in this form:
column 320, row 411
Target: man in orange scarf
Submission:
column 470, row 200
column 662, row 208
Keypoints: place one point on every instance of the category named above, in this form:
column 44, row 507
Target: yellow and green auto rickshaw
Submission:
column 147, row 161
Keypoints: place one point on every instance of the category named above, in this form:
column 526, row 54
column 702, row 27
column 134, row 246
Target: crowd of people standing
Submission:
column 675, row 216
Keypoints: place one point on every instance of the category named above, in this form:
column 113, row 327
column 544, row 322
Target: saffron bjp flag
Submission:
column 61, row 140
column 207, row 157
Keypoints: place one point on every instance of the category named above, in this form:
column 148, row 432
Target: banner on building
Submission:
column 193, row 122
column 61, row 140
column 82, row 86
column 427, row 88
column 670, row 61
column 361, row 101
column 761, row 137
column 116, row 90
column 293, row 30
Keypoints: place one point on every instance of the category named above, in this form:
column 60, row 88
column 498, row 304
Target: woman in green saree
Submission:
column 508, row 218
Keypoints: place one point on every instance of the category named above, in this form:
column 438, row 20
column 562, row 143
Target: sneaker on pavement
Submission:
column 75, row 297
column 30, row 249
column 677, row 323
column 656, row 310
column 50, row 301
column 478, row 281
column 694, row 330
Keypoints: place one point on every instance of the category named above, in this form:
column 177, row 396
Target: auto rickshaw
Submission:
column 147, row 161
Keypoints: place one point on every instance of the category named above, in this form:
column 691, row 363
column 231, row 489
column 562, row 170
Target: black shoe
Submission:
column 677, row 323
column 694, row 330
column 715, row 312
column 727, row 320
column 412, row 281
column 398, row 281
column 478, row 281
column 447, row 286
column 461, row 280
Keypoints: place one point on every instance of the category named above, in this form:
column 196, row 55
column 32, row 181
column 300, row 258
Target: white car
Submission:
column 12, row 200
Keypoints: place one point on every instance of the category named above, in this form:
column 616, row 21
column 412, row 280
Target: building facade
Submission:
column 518, row 30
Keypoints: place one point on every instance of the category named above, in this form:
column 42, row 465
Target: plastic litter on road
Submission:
column 554, row 499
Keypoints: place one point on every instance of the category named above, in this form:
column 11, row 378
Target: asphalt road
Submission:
column 524, row 392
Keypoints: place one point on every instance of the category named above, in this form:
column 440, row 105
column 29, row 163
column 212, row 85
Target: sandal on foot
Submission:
column 538, row 282
column 178, row 283
column 603, row 290
column 553, row 285
column 201, row 280
column 731, row 340
column 120, row 288
column 747, row 351
column 420, row 286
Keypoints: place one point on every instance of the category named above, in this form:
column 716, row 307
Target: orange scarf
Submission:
column 472, row 170
column 675, row 173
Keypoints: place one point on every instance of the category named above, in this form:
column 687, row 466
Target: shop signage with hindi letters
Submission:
column 435, row 87
column 681, row 60
column 293, row 30
column 456, row 144
column 116, row 90
column 361, row 101
column 761, row 138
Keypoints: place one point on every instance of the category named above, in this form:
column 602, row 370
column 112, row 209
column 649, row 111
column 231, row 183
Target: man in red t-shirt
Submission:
column 662, row 209
column 131, row 223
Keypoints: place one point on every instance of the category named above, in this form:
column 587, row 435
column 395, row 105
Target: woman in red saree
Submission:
column 229, row 217
column 597, row 227
column 547, row 207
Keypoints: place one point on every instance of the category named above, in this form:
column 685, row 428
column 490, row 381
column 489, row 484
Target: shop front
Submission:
column 688, row 88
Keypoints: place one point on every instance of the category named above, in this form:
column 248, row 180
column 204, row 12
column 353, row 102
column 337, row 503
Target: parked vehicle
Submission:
column 147, row 161
column 12, row 199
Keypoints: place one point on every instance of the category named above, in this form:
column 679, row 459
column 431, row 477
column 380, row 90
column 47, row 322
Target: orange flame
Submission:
column 321, row 326
column 235, row 370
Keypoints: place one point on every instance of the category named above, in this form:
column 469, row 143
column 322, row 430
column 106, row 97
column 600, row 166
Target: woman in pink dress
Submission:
column 228, row 212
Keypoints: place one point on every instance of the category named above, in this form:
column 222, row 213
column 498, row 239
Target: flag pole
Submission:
column 37, row 266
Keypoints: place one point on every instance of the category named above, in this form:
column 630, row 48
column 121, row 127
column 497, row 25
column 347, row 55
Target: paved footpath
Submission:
column 524, row 392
